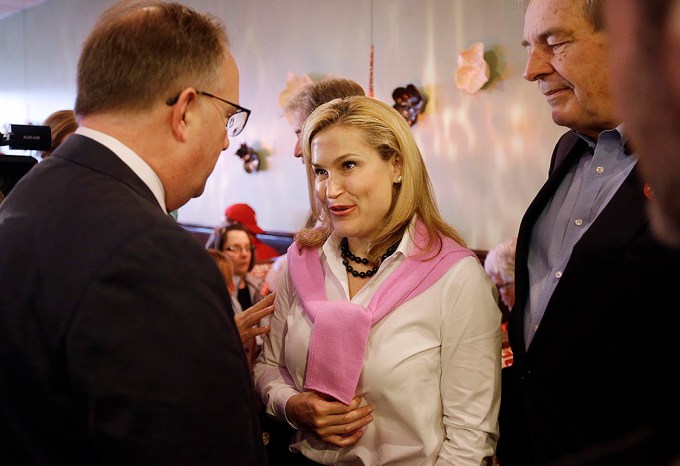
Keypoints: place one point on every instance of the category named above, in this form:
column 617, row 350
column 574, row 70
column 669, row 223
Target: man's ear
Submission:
column 182, row 113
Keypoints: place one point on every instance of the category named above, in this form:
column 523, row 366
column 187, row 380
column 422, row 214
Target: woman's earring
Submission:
column 399, row 179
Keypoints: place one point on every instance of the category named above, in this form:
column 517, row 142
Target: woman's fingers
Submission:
column 344, row 424
column 345, row 441
column 332, row 421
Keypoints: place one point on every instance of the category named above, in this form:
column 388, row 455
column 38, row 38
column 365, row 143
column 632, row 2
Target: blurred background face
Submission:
column 238, row 246
column 298, row 120
column 643, row 61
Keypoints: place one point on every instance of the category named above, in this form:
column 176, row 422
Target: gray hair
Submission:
column 590, row 10
column 501, row 260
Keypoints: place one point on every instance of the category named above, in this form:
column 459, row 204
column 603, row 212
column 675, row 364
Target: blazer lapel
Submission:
column 567, row 152
column 599, row 246
column 91, row 154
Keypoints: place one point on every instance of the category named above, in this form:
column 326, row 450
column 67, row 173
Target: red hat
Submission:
column 245, row 215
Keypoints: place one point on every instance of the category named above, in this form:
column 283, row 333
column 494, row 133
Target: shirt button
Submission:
column 599, row 170
column 578, row 222
column 558, row 274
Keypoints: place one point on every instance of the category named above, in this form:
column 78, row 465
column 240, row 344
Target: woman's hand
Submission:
column 246, row 320
column 333, row 421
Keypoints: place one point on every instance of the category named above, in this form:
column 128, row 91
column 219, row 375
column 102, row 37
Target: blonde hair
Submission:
column 386, row 131
column 62, row 123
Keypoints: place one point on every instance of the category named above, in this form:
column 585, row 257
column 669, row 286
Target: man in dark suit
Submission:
column 117, row 339
column 592, row 338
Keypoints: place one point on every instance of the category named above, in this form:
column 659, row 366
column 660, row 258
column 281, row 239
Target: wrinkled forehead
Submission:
column 544, row 17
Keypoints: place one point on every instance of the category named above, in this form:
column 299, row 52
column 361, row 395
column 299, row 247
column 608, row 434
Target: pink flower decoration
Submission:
column 473, row 72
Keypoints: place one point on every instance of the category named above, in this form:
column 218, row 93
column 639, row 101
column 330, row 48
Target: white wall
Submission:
column 487, row 154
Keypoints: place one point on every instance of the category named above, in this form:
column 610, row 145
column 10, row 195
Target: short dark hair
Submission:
column 143, row 50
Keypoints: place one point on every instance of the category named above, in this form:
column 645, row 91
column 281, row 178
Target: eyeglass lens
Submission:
column 236, row 123
column 238, row 248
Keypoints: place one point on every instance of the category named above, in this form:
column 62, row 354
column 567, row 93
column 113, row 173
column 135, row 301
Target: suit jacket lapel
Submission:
column 599, row 246
column 594, row 252
column 91, row 154
column 567, row 152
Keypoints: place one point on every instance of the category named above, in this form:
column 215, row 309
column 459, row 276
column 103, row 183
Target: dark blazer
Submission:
column 606, row 346
column 117, row 338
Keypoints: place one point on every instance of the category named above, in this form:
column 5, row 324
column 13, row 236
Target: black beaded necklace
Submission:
column 347, row 256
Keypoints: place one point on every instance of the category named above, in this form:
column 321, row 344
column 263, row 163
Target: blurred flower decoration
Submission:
column 251, row 161
column 409, row 102
column 293, row 84
column 473, row 71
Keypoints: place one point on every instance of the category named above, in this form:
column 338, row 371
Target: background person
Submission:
column 644, row 82
column 246, row 321
column 236, row 241
column 415, row 381
column 119, row 345
column 647, row 91
column 591, row 335
column 245, row 215
column 62, row 124
column 500, row 265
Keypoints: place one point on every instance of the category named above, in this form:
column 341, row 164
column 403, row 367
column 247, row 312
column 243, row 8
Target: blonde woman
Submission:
column 385, row 343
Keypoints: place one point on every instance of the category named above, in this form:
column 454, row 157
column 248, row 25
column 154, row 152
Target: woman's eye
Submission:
column 348, row 164
column 319, row 171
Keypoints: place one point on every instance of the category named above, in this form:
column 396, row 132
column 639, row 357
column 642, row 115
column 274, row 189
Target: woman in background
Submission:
column 385, row 342
column 62, row 124
column 246, row 321
column 235, row 240
column 500, row 265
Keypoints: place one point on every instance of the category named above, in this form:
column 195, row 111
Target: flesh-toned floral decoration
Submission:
column 251, row 161
column 409, row 102
column 473, row 71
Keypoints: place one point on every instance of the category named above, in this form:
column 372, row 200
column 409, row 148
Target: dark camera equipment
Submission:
column 27, row 137
column 21, row 137
column 12, row 169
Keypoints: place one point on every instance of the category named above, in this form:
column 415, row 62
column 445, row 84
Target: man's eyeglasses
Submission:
column 237, row 120
column 238, row 248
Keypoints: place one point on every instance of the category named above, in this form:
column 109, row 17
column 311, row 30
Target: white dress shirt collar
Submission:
column 132, row 160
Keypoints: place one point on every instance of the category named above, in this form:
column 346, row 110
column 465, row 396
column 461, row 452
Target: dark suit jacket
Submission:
column 606, row 346
column 117, row 339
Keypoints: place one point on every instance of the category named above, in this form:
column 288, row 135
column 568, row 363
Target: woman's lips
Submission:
column 341, row 210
